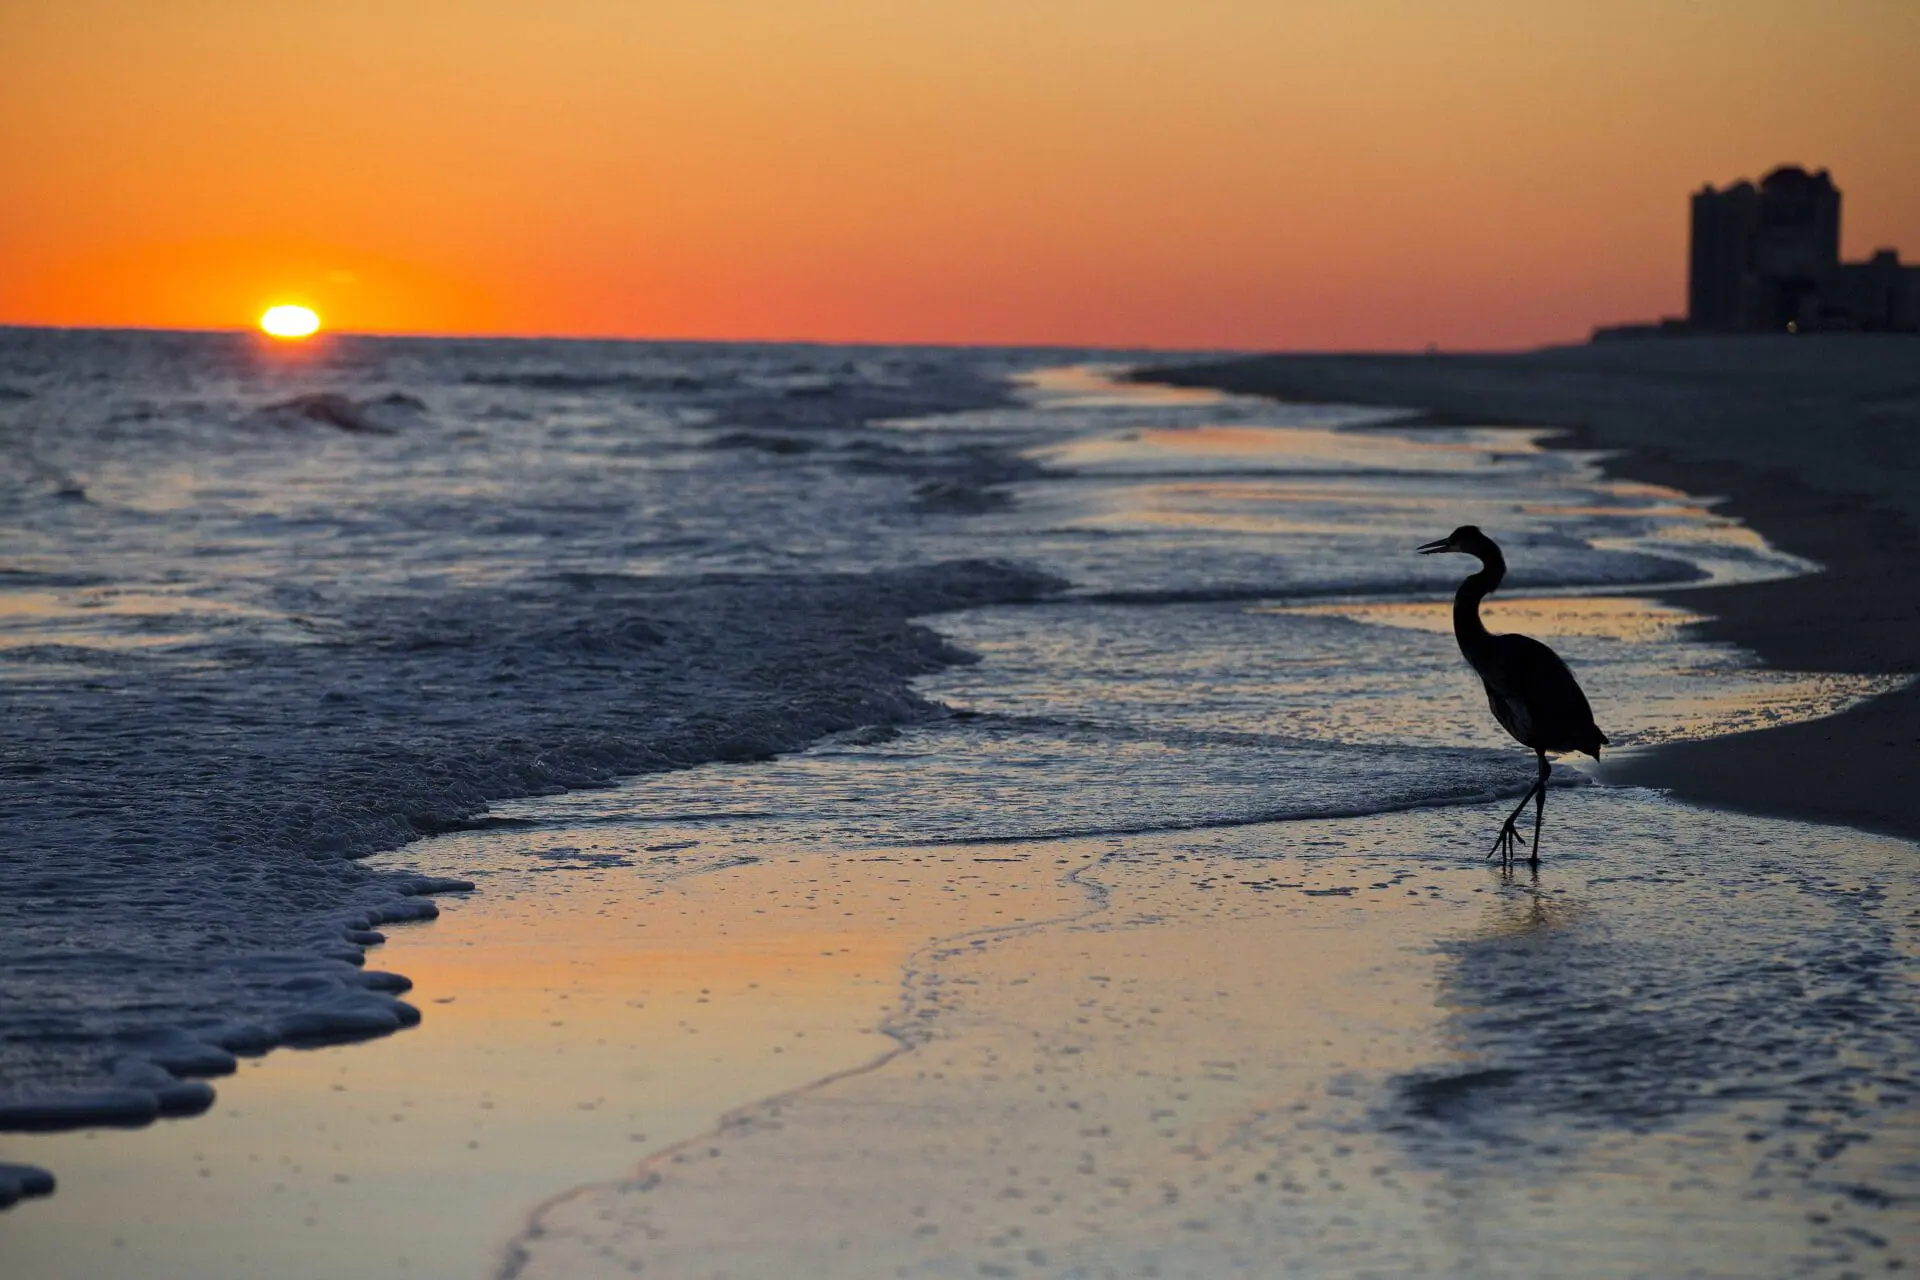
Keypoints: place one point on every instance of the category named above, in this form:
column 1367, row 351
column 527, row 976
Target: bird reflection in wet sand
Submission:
column 1531, row 692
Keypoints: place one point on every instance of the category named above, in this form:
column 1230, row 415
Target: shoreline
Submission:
column 1316, row 1043
column 578, row 1016
column 1111, row 1055
column 1815, row 444
column 715, row 1020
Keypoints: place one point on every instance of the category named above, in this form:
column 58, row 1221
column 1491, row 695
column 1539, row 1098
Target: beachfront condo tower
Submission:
column 1766, row 259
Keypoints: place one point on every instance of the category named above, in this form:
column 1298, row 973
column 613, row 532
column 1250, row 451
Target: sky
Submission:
column 1272, row 174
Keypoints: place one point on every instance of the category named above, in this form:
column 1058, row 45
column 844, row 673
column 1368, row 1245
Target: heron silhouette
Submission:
column 1529, row 689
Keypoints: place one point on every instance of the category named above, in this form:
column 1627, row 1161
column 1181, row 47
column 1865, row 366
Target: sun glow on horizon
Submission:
column 1317, row 175
column 289, row 321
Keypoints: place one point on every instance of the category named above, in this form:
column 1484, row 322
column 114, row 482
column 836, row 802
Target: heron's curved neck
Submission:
column 1467, row 627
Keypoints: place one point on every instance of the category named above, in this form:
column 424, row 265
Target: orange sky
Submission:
column 1248, row 173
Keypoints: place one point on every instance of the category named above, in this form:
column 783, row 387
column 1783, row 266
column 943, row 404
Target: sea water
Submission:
column 266, row 611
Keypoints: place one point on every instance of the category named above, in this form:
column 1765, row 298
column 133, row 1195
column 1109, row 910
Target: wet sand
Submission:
column 1256, row 1052
column 1815, row 442
column 676, row 1046
column 574, row 1018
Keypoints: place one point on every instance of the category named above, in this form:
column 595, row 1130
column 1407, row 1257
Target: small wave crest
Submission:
column 978, row 779
column 375, row 415
column 562, row 381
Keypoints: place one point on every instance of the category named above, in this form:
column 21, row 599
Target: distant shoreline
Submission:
column 1814, row 442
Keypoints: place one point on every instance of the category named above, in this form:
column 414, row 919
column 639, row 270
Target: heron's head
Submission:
column 1467, row 539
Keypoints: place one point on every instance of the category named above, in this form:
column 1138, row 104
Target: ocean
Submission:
column 267, row 611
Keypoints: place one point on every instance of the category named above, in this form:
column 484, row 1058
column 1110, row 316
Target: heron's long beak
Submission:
column 1440, row 544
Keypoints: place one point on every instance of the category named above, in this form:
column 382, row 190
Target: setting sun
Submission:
column 287, row 321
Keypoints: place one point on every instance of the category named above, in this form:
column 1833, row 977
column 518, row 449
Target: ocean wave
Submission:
column 764, row 442
column 376, row 415
column 1618, row 571
column 35, row 579
column 959, row 779
column 179, row 845
column 586, row 383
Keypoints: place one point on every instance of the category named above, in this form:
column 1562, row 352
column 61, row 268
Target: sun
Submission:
column 289, row 321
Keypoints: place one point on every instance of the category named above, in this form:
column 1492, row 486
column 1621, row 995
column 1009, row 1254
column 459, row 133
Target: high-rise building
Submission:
column 1720, row 256
column 1761, row 258
column 1766, row 259
column 1878, row 294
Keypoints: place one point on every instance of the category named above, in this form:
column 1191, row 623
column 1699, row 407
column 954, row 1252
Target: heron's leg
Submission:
column 1539, row 805
column 1509, row 838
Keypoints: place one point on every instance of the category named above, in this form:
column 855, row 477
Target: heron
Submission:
column 1529, row 689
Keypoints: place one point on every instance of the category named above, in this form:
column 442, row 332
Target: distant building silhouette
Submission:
column 1879, row 294
column 1767, row 259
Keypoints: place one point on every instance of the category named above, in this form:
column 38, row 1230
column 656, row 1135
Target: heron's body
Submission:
column 1529, row 689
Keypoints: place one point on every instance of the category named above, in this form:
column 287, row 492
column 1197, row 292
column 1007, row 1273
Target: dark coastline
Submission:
column 1815, row 443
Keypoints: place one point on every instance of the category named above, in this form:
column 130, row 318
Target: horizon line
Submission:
column 248, row 330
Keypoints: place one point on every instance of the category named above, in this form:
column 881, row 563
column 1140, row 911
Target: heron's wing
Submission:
column 1541, row 694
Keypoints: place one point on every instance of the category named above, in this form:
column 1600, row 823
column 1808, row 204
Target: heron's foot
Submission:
column 1505, row 843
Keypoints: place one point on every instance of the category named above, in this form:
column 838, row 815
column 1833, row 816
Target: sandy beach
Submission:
column 1146, row 932
column 1187, row 1077
column 1316, row 1048
column 575, row 1016
column 1814, row 442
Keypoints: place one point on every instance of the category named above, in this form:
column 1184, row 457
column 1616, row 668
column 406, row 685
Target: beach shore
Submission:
column 1186, row 1053
column 1814, row 442
column 1331, row 1047
column 582, row 1009
column 972, row 997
